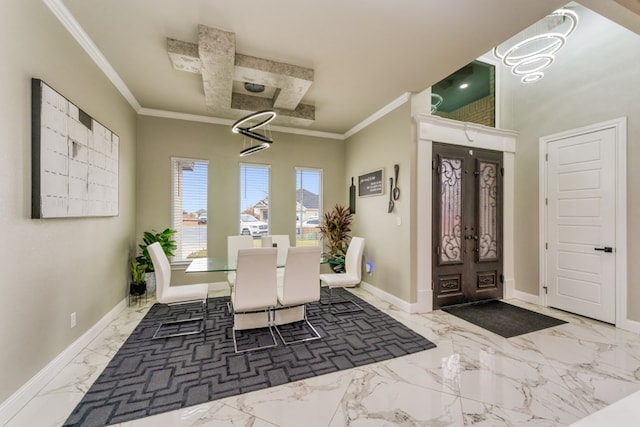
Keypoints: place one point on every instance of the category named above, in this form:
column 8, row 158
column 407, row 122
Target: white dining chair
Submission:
column 173, row 295
column 235, row 243
column 254, row 293
column 282, row 243
column 296, row 288
column 352, row 275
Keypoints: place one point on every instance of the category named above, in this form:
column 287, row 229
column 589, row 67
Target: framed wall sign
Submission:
column 74, row 159
column 371, row 183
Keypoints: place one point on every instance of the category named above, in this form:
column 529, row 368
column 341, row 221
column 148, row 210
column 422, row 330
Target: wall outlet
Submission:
column 72, row 320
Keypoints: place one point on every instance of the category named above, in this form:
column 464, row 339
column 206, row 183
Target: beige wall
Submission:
column 160, row 139
column 388, row 246
column 53, row 267
column 595, row 78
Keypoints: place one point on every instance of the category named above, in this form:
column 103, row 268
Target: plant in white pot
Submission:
column 165, row 238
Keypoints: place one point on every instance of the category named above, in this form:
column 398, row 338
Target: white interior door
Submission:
column 581, row 193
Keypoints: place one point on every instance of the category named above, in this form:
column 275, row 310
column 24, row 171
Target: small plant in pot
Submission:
column 138, row 284
column 335, row 229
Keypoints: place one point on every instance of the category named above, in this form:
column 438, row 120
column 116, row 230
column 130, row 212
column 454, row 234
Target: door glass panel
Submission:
column 450, row 210
column 487, row 212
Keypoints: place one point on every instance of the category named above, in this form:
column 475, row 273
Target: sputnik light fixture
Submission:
column 528, row 57
column 247, row 126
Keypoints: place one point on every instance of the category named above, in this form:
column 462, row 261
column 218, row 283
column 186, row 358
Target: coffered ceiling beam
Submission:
column 214, row 57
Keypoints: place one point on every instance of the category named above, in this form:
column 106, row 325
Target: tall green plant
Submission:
column 164, row 238
column 335, row 229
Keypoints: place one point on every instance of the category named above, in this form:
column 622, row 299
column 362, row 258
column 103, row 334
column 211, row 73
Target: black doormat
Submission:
column 504, row 319
column 147, row 377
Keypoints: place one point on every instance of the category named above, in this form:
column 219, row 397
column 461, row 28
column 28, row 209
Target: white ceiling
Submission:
column 364, row 53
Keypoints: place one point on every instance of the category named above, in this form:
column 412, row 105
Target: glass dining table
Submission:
column 221, row 264
column 208, row 265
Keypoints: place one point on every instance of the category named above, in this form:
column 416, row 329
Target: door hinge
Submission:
column 502, row 278
column 433, row 164
column 501, row 171
column 438, row 250
column 546, row 201
column 546, row 157
column 546, row 245
column 546, row 290
column 432, row 285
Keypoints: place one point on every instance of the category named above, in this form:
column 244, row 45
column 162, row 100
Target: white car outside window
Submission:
column 312, row 221
column 249, row 225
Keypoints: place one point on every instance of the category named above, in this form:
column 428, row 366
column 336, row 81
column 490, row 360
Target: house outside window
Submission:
column 308, row 206
column 189, row 207
column 254, row 200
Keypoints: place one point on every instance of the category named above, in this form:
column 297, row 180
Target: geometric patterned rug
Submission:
column 147, row 377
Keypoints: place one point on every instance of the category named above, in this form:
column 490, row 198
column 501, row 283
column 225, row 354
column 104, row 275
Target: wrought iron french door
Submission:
column 467, row 225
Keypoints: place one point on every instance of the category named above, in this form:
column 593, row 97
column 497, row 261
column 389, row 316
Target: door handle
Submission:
column 605, row 249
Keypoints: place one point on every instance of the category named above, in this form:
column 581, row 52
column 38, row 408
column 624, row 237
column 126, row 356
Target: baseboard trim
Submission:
column 629, row 325
column 10, row 407
column 385, row 296
column 526, row 297
column 509, row 288
column 424, row 303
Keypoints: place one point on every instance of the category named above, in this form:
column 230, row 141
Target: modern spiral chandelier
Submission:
column 247, row 126
column 533, row 50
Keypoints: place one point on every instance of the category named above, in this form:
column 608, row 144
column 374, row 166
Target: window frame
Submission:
column 266, row 166
column 320, row 171
column 175, row 260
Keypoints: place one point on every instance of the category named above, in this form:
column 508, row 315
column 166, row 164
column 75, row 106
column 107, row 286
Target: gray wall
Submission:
column 53, row 267
column 160, row 139
column 389, row 246
column 595, row 78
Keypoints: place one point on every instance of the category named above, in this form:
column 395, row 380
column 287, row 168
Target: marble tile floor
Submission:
column 553, row 377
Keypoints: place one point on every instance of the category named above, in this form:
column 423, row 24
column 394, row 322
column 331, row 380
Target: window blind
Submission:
column 254, row 199
column 189, row 207
column 308, row 206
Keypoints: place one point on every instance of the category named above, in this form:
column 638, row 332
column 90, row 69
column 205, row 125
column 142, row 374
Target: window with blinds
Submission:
column 189, row 207
column 308, row 206
column 254, row 199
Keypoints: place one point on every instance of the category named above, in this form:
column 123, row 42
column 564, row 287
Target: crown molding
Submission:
column 69, row 22
column 217, row 121
column 402, row 99
column 65, row 17
column 152, row 112
column 317, row 133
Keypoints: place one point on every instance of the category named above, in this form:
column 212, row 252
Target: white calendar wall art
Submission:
column 74, row 159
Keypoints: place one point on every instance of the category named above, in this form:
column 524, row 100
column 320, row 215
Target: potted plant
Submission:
column 335, row 229
column 163, row 237
column 138, row 284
